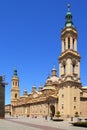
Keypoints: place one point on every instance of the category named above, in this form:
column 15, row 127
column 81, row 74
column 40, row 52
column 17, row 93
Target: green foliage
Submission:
column 76, row 114
column 86, row 120
column 57, row 114
column 54, row 119
column 81, row 124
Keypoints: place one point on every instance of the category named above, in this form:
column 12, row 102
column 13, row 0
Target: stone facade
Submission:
column 8, row 109
column 64, row 93
column 38, row 103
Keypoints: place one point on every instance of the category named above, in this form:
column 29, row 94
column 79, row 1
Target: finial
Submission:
column 68, row 7
column 48, row 76
column 34, row 86
column 15, row 72
column 54, row 68
column 68, row 17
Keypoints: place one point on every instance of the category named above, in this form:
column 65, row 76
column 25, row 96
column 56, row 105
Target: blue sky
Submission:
column 30, row 39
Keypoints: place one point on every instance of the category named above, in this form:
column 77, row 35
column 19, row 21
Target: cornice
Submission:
column 70, row 83
column 69, row 54
column 69, row 30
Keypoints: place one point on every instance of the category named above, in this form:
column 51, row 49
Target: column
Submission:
column 71, row 43
column 75, row 45
column 62, row 45
column 66, row 40
column 59, row 69
column 78, row 69
column 68, row 67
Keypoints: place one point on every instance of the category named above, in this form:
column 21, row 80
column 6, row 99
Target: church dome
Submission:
column 48, row 80
column 54, row 79
column 49, row 88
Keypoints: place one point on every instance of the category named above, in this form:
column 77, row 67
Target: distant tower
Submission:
column 54, row 72
column 15, row 91
column 69, row 67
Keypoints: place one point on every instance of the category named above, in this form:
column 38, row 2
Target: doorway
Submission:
column 52, row 109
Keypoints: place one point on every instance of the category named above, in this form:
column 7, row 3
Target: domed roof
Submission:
column 54, row 68
column 68, row 18
column 54, row 79
column 48, row 79
column 15, row 72
column 25, row 90
column 15, row 75
column 85, row 87
column 49, row 88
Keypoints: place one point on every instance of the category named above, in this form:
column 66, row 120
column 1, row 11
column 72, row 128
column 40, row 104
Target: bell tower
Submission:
column 15, row 91
column 69, row 69
column 70, row 58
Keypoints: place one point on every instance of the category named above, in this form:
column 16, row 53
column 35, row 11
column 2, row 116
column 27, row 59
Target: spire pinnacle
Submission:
column 15, row 72
column 68, row 18
column 54, row 71
column 68, row 7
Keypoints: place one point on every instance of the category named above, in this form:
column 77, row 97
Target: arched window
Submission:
column 62, row 106
column 64, row 45
column 13, row 83
column 68, row 43
column 73, row 43
column 73, row 65
column 64, row 68
column 62, row 95
column 16, row 95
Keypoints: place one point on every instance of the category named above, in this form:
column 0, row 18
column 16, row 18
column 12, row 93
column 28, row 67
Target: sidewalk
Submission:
column 8, row 125
column 28, row 123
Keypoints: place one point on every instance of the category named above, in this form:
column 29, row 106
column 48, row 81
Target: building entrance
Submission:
column 52, row 110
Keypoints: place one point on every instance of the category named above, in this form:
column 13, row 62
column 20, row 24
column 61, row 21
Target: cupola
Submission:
column 68, row 18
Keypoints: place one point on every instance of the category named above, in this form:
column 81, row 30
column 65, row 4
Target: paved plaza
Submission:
column 27, row 123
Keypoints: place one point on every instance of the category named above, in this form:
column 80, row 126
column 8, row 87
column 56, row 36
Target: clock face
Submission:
column 35, row 95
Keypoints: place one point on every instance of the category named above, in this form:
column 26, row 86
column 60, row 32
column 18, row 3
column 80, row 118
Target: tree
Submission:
column 57, row 114
column 76, row 114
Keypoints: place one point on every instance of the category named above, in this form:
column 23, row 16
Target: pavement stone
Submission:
column 8, row 125
column 28, row 123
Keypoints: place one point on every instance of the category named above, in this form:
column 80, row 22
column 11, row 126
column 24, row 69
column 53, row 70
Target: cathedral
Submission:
column 64, row 93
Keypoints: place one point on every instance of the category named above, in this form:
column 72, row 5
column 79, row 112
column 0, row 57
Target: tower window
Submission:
column 68, row 43
column 80, row 113
column 62, row 106
column 64, row 45
column 73, row 65
column 73, row 68
column 62, row 95
column 81, row 94
column 74, row 99
column 16, row 95
column 13, row 83
column 73, row 43
column 64, row 69
column 64, row 66
column 74, row 107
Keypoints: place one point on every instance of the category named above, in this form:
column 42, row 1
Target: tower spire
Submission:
column 15, row 73
column 68, row 7
column 15, row 90
column 68, row 18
